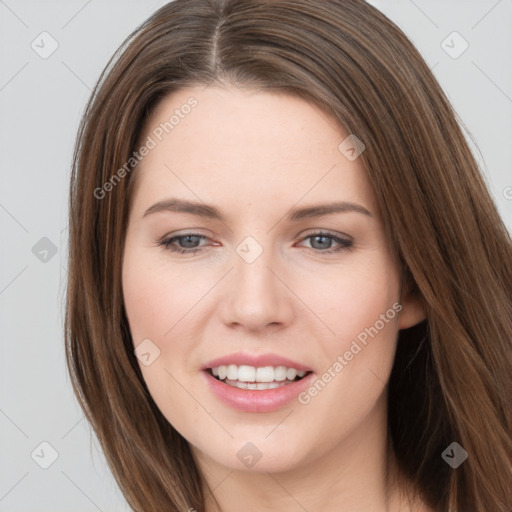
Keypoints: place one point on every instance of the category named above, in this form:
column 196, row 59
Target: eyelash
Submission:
column 344, row 243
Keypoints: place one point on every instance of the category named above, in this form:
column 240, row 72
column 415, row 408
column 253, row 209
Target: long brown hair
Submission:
column 451, row 381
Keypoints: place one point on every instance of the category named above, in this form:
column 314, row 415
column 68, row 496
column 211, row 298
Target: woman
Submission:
column 289, row 287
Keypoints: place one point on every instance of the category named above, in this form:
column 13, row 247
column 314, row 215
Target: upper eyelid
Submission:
column 314, row 232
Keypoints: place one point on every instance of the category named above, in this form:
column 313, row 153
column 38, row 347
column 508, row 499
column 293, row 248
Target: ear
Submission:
column 413, row 309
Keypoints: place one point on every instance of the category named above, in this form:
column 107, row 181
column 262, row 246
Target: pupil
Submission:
column 187, row 239
column 326, row 244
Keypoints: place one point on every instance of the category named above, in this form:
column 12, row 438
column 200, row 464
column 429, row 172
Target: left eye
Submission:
column 190, row 240
column 327, row 239
column 188, row 243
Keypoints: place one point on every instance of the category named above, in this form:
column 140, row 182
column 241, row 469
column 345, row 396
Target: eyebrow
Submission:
column 294, row 215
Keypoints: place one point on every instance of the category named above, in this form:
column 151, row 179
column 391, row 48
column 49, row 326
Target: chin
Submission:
column 257, row 456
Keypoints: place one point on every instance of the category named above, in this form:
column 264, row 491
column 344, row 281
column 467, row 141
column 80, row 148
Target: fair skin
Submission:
column 255, row 156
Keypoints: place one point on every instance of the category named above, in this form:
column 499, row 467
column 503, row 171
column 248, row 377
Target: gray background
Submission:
column 41, row 101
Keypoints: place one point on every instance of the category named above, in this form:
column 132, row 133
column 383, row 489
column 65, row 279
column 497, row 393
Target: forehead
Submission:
column 249, row 146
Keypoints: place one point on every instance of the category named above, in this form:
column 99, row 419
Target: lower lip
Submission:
column 250, row 400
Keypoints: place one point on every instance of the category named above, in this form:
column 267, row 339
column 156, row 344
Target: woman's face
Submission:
column 275, row 284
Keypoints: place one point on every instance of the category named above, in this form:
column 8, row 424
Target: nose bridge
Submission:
column 254, row 296
column 252, row 274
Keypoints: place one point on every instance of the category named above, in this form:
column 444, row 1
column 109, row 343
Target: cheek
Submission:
column 157, row 296
column 361, row 306
column 368, row 308
column 351, row 300
column 157, row 299
column 363, row 312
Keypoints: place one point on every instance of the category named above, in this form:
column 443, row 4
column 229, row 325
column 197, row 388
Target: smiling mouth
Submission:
column 253, row 378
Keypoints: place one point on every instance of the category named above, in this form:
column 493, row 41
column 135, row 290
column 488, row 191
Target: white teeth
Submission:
column 245, row 373
column 232, row 372
column 250, row 374
column 291, row 373
column 255, row 385
column 265, row 374
column 280, row 373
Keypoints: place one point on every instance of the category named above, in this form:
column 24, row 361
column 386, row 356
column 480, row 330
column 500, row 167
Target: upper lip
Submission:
column 258, row 361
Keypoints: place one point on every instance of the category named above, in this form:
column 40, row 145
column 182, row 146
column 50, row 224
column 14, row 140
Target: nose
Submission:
column 255, row 296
